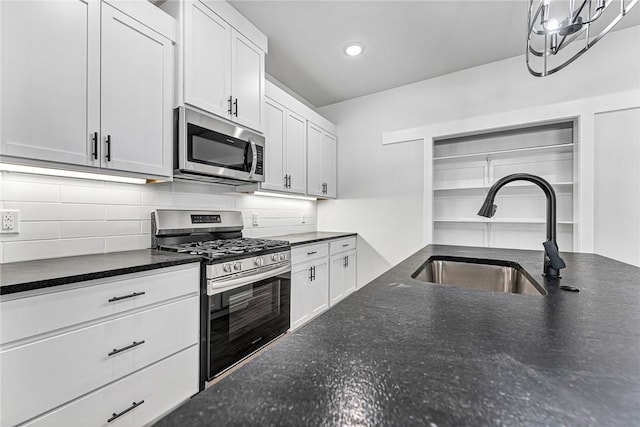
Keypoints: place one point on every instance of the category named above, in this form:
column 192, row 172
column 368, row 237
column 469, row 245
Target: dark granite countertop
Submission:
column 399, row 352
column 44, row 273
column 311, row 237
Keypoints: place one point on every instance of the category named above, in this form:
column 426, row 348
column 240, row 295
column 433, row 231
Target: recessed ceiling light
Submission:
column 354, row 48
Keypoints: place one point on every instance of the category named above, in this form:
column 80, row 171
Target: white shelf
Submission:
column 481, row 220
column 547, row 149
column 510, row 185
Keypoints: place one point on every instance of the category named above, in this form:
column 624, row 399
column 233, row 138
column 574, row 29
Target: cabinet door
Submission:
column 314, row 160
column 50, row 79
column 300, row 301
column 136, row 95
column 296, row 152
column 275, row 117
column 617, row 185
column 247, row 81
column 207, row 47
column 349, row 278
column 319, row 288
column 336, row 280
column 329, row 148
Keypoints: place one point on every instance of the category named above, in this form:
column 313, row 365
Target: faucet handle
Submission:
column 553, row 258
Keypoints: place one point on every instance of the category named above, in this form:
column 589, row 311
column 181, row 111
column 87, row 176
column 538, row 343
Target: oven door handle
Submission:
column 219, row 286
column 254, row 157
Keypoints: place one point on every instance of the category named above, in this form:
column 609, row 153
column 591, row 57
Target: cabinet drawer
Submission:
column 32, row 315
column 41, row 375
column 309, row 252
column 342, row 245
column 161, row 386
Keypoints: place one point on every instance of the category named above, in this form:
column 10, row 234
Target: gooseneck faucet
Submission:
column 552, row 261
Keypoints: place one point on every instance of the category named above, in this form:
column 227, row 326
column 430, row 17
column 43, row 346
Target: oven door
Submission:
column 210, row 147
column 245, row 318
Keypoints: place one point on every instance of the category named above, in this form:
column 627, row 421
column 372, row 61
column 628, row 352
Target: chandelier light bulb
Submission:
column 551, row 25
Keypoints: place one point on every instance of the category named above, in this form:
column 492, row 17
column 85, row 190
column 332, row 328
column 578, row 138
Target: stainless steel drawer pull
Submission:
column 345, row 245
column 120, row 350
column 311, row 253
column 134, row 405
column 135, row 294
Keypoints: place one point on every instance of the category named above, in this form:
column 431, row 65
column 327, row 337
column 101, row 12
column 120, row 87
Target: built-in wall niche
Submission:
column 464, row 167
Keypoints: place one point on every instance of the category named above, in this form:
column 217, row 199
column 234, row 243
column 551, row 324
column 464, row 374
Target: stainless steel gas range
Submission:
column 246, row 283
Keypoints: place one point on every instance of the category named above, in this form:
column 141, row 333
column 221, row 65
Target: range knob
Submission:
column 226, row 268
column 283, row 257
column 258, row 262
column 274, row 257
column 237, row 266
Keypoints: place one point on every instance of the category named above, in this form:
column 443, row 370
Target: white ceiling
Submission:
column 405, row 41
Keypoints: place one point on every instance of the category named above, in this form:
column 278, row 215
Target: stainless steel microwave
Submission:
column 213, row 150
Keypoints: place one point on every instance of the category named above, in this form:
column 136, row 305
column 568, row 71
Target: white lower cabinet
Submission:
column 103, row 352
column 322, row 274
column 309, row 283
column 343, row 276
column 134, row 400
column 342, row 280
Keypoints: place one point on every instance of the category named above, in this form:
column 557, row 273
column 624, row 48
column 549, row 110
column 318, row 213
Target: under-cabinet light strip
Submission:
column 7, row 167
column 286, row 196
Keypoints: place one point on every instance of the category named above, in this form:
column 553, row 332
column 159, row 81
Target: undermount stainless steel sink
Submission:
column 490, row 275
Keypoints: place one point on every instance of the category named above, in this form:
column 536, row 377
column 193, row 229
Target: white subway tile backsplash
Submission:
column 160, row 199
column 30, row 192
column 74, row 229
column 39, row 249
column 128, row 212
column 34, row 231
column 145, row 226
column 127, row 243
column 106, row 196
column 35, row 211
column 276, row 231
column 66, row 216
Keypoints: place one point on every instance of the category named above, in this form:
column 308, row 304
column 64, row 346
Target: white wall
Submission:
column 394, row 171
column 65, row 216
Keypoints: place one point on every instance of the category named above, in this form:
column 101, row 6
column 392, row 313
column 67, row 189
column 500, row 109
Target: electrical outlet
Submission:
column 10, row 221
column 255, row 220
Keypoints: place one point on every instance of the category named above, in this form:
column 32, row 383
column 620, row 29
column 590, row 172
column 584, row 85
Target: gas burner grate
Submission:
column 225, row 247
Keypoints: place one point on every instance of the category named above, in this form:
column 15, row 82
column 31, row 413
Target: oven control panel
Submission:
column 245, row 266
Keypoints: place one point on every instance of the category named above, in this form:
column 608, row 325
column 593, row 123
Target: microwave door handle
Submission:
column 254, row 157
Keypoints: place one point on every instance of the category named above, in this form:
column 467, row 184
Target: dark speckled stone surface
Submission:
column 45, row 273
column 399, row 352
column 311, row 237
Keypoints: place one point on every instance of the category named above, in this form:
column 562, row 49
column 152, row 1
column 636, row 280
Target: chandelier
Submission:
column 559, row 31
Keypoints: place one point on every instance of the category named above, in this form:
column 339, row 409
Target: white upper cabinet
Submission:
column 221, row 61
column 275, row 177
column 300, row 155
column 247, row 81
column 296, row 152
column 136, row 95
column 87, row 84
column 207, row 50
column 50, row 80
column 285, row 133
column 321, row 162
column 315, row 182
